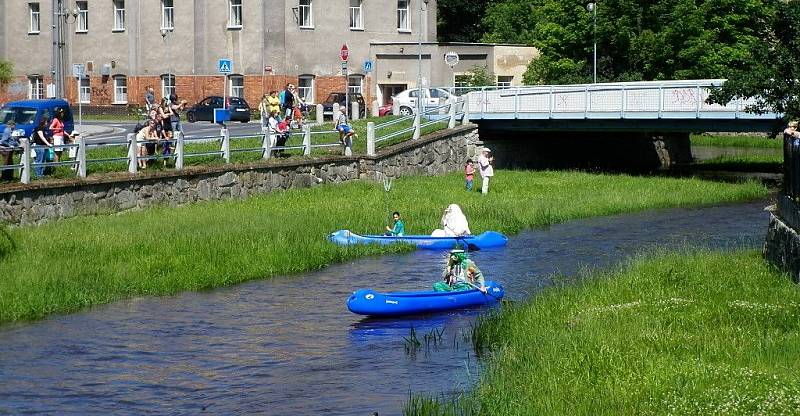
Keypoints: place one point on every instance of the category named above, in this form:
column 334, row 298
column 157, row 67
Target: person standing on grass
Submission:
column 485, row 166
column 469, row 174
column 399, row 228
column 175, row 118
column 60, row 137
column 149, row 98
column 791, row 142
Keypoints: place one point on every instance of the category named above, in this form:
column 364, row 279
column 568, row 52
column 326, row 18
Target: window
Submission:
column 237, row 86
column 235, row 14
column 167, row 85
column 82, row 21
column 167, row 15
column 119, row 15
column 355, row 15
column 86, row 91
column 306, row 17
column 36, row 23
column 305, row 87
column 504, row 81
column 35, row 88
column 120, row 89
column 402, row 15
column 355, row 84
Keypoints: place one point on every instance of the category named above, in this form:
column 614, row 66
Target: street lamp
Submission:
column 164, row 33
column 419, row 60
column 60, row 13
column 592, row 7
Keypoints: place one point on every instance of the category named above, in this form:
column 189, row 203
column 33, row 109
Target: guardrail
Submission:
column 653, row 99
column 262, row 146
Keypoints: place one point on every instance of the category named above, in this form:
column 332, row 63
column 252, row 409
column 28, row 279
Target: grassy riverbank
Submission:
column 74, row 263
column 678, row 333
column 761, row 141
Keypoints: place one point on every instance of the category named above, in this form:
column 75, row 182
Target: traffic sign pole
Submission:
column 344, row 53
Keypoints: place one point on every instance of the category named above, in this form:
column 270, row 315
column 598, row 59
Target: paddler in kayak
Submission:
column 460, row 273
column 399, row 229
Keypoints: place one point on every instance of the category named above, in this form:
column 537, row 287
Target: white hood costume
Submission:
column 454, row 223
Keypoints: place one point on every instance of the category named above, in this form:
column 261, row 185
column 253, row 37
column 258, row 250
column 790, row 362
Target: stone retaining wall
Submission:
column 782, row 244
column 39, row 202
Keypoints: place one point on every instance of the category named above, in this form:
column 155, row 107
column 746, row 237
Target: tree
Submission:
column 636, row 39
column 6, row 71
column 479, row 76
column 460, row 20
column 772, row 74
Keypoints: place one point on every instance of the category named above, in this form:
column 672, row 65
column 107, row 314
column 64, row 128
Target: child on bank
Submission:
column 469, row 174
column 344, row 129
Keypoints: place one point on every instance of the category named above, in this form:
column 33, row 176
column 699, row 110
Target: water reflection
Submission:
column 289, row 346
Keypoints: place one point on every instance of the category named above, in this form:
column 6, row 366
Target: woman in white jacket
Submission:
column 454, row 223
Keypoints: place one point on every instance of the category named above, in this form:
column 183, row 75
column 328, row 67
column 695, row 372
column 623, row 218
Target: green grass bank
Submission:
column 761, row 141
column 675, row 333
column 70, row 264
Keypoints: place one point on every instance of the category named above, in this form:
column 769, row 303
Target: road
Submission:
column 99, row 131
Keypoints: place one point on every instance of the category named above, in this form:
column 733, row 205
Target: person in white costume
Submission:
column 454, row 223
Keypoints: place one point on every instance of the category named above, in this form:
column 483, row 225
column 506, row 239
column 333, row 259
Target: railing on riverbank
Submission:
column 119, row 155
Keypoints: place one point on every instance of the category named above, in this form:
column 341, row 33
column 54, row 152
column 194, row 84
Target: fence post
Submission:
column 307, row 140
column 371, row 138
column 354, row 110
column 375, row 108
column 335, row 112
column 81, row 157
column 417, row 124
column 179, row 150
column 226, row 144
column 465, row 118
column 265, row 143
column 452, row 123
column 133, row 154
column 25, row 173
column 395, row 108
column 320, row 116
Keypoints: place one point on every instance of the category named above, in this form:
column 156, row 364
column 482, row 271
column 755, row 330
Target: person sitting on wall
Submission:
column 346, row 131
column 8, row 142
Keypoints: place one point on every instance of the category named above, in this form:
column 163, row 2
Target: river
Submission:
column 288, row 345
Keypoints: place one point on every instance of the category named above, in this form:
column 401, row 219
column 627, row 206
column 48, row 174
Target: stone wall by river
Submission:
column 39, row 202
column 782, row 244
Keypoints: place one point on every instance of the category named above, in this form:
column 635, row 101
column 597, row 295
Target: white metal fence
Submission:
column 451, row 113
column 652, row 99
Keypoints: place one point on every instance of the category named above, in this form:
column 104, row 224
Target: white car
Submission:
column 432, row 97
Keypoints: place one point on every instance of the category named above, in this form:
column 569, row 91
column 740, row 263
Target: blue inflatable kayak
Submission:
column 372, row 303
column 480, row 241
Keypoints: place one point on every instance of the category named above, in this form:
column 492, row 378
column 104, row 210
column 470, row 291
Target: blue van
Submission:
column 27, row 113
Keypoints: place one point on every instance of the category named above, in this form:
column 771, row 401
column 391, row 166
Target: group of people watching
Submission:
column 280, row 112
column 49, row 139
column 163, row 119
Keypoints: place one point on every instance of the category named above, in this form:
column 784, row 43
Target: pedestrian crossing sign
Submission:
column 225, row 66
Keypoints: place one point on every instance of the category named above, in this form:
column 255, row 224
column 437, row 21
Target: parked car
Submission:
column 432, row 97
column 27, row 113
column 385, row 109
column 338, row 97
column 204, row 110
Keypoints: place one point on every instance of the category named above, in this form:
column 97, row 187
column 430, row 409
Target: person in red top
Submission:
column 283, row 134
column 60, row 137
column 469, row 174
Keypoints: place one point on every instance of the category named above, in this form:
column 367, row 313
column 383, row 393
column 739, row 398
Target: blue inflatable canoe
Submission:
column 372, row 303
column 480, row 241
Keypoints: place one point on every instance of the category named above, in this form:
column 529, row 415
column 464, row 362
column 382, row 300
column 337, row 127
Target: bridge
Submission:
column 654, row 106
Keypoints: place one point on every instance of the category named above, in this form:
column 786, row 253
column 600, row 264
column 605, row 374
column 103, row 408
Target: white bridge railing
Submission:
column 647, row 99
